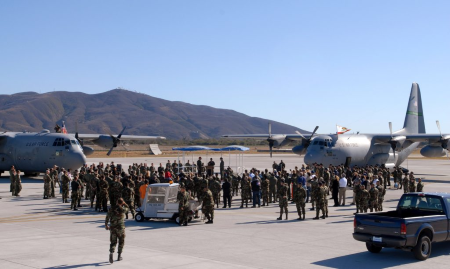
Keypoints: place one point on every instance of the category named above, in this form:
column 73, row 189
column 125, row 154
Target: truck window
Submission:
column 421, row 203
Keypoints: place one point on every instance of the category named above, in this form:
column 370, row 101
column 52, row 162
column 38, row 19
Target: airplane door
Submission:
column 348, row 160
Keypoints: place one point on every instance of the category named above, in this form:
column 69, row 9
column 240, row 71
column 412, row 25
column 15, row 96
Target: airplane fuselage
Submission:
column 36, row 152
column 354, row 149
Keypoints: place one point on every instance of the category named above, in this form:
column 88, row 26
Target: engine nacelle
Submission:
column 432, row 151
column 279, row 141
column 87, row 150
column 300, row 150
column 105, row 141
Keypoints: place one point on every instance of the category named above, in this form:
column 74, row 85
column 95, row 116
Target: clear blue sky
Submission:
column 304, row 63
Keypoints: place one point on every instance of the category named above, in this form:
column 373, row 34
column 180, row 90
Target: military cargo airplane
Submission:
column 361, row 149
column 33, row 153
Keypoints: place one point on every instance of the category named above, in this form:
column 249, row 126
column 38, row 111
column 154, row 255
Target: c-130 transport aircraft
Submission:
column 361, row 149
column 33, row 153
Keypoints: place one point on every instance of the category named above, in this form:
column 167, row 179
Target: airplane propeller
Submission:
column 308, row 142
column 444, row 142
column 115, row 140
column 392, row 142
column 76, row 134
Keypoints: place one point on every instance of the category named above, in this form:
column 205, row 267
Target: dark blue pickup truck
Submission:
column 420, row 219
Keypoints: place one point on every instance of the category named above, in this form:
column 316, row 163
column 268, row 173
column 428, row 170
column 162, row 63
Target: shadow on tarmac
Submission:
column 388, row 257
column 78, row 265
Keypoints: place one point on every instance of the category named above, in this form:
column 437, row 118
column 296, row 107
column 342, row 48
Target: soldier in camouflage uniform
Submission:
column 208, row 205
column 12, row 177
column 245, row 191
column 94, row 189
column 76, row 186
column 405, row 184
column 265, row 190
column 325, row 198
column 54, row 180
column 65, row 187
column 215, row 190
column 320, row 196
column 314, row 190
column 419, row 185
column 272, row 188
column 283, row 200
column 102, row 200
column 183, row 206
column 299, row 199
column 364, row 200
column 357, row 192
column 373, row 200
column 47, row 181
column 128, row 197
column 115, row 191
column 116, row 216
column 412, row 184
column 381, row 193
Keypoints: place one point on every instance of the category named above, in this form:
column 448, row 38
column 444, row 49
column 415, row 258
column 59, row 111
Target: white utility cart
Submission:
column 160, row 202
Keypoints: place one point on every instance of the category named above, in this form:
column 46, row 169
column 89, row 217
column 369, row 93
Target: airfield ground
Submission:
column 37, row 233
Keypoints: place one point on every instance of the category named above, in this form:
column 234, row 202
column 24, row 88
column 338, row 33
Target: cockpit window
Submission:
column 73, row 142
column 58, row 142
column 320, row 143
column 315, row 142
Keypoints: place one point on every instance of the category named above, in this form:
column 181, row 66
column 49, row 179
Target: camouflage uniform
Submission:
column 420, row 187
column 93, row 187
column 364, row 201
column 373, row 200
column 183, row 207
column 272, row 189
column 116, row 216
column 54, row 180
column 245, row 192
column 65, row 188
column 357, row 190
column 102, row 199
column 412, row 185
column 381, row 193
column 265, row 191
column 208, row 205
column 314, row 190
column 17, row 185
column 235, row 186
column 299, row 199
column 283, row 200
column 47, row 181
column 128, row 197
column 325, row 200
column 405, row 185
column 12, row 178
column 320, row 195
column 215, row 190
column 115, row 192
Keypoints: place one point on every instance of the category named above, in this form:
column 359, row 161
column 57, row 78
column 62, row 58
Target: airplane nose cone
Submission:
column 76, row 160
column 310, row 158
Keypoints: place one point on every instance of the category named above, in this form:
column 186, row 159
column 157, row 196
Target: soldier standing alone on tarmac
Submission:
column 116, row 216
column 208, row 205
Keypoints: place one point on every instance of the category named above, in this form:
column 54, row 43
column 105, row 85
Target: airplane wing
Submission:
column 427, row 138
column 292, row 137
column 123, row 137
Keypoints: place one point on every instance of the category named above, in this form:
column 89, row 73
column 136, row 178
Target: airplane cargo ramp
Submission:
column 154, row 149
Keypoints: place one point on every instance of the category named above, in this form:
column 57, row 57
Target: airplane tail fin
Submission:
column 414, row 121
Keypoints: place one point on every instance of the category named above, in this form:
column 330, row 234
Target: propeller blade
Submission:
column 110, row 150
column 120, row 135
column 300, row 134
column 314, row 132
column 390, row 127
column 270, row 129
column 439, row 127
column 270, row 147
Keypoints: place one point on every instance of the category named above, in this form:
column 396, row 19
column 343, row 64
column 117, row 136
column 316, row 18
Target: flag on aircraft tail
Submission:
column 63, row 128
column 341, row 129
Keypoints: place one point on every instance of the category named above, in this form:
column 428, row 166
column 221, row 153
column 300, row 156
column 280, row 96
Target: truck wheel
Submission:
column 422, row 250
column 372, row 248
column 139, row 217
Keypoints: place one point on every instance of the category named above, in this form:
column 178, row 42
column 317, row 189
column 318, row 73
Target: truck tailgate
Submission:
column 378, row 225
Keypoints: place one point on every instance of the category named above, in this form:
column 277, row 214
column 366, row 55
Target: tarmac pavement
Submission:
column 37, row 233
